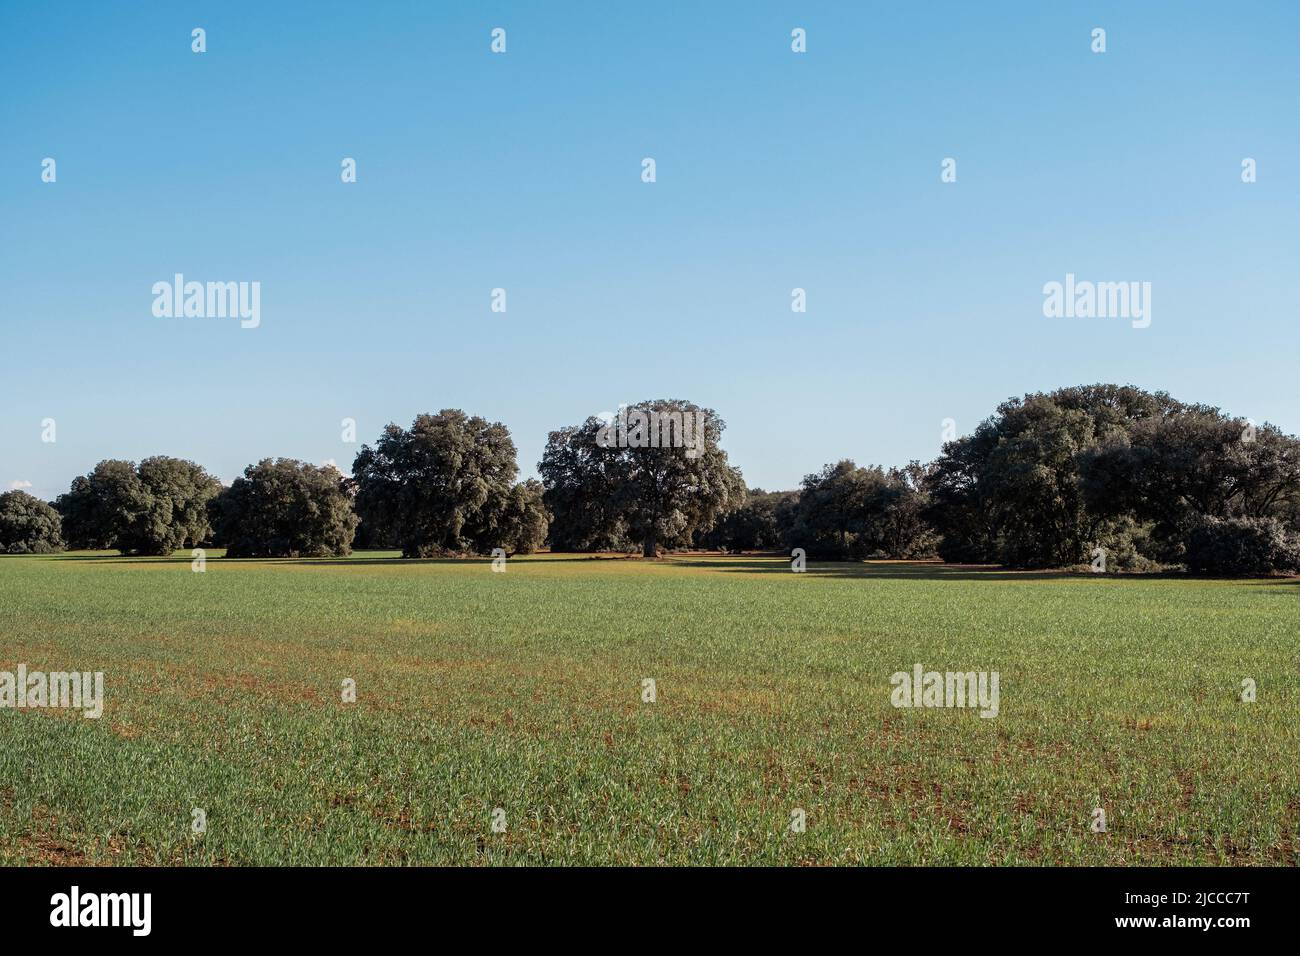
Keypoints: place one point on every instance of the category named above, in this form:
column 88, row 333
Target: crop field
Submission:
column 504, row 718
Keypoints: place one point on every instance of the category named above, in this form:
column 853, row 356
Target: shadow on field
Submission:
column 938, row 571
column 913, row 570
column 392, row 558
column 725, row 564
column 183, row 557
column 103, row 557
column 394, row 561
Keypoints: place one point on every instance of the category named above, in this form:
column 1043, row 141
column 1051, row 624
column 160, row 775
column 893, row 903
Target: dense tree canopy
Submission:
column 847, row 513
column 899, row 526
column 580, row 480
column 657, row 476
column 1053, row 479
column 285, row 508
column 446, row 485
column 91, row 510
column 154, row 509
column 84, row 524
column 1241, row 545
column 763, row 521
column 523, row 524
column 1049, row 480
column 1011, row 492
column 28, row 525
column 1216, row 493
column 1194, row 463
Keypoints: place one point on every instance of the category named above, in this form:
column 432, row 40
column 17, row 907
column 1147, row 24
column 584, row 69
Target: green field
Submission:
column 523, row 691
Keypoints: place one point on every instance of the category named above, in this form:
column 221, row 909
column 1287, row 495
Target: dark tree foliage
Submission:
column 579, row 480
column 85, row 526
column 961, row 502
column 833, row 505
column 1050, row 480
column 849, row 513
column 1011, row 493
column 285, row 508
column 1242, row 546
column 763, row 521
column 28, row 525
column 525, row 520
column 177, row 513
column 1191, row 465
column 603, row 490
column 154, row 509
column 372, row 538
column 446, row 485
column 899, row 524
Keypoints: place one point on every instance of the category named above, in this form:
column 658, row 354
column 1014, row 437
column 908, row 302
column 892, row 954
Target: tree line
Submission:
column 1107, row 474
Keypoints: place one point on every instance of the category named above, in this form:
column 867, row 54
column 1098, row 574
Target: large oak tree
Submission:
column 154, row 508
column 286, row 508
column 605, row 483
column 28, row 525
column 446, row 485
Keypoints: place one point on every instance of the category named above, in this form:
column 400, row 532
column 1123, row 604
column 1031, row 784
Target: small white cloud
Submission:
column 331, row 463
column 19, row 485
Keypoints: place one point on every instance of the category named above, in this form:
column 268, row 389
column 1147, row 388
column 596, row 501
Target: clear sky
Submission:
column 522, row 171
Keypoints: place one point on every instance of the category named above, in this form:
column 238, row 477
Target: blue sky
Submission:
column 522, row 171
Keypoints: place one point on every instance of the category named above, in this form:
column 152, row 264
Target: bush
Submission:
column 1242, row 546
column 1128, row 546
column 28, row 525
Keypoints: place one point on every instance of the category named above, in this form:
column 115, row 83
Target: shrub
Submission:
column 1128, row 546
column 1242, row 546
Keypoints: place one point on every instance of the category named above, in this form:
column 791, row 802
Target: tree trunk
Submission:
column 650, row 549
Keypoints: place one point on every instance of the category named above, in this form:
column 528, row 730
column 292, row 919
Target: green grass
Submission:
column 523, row 691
